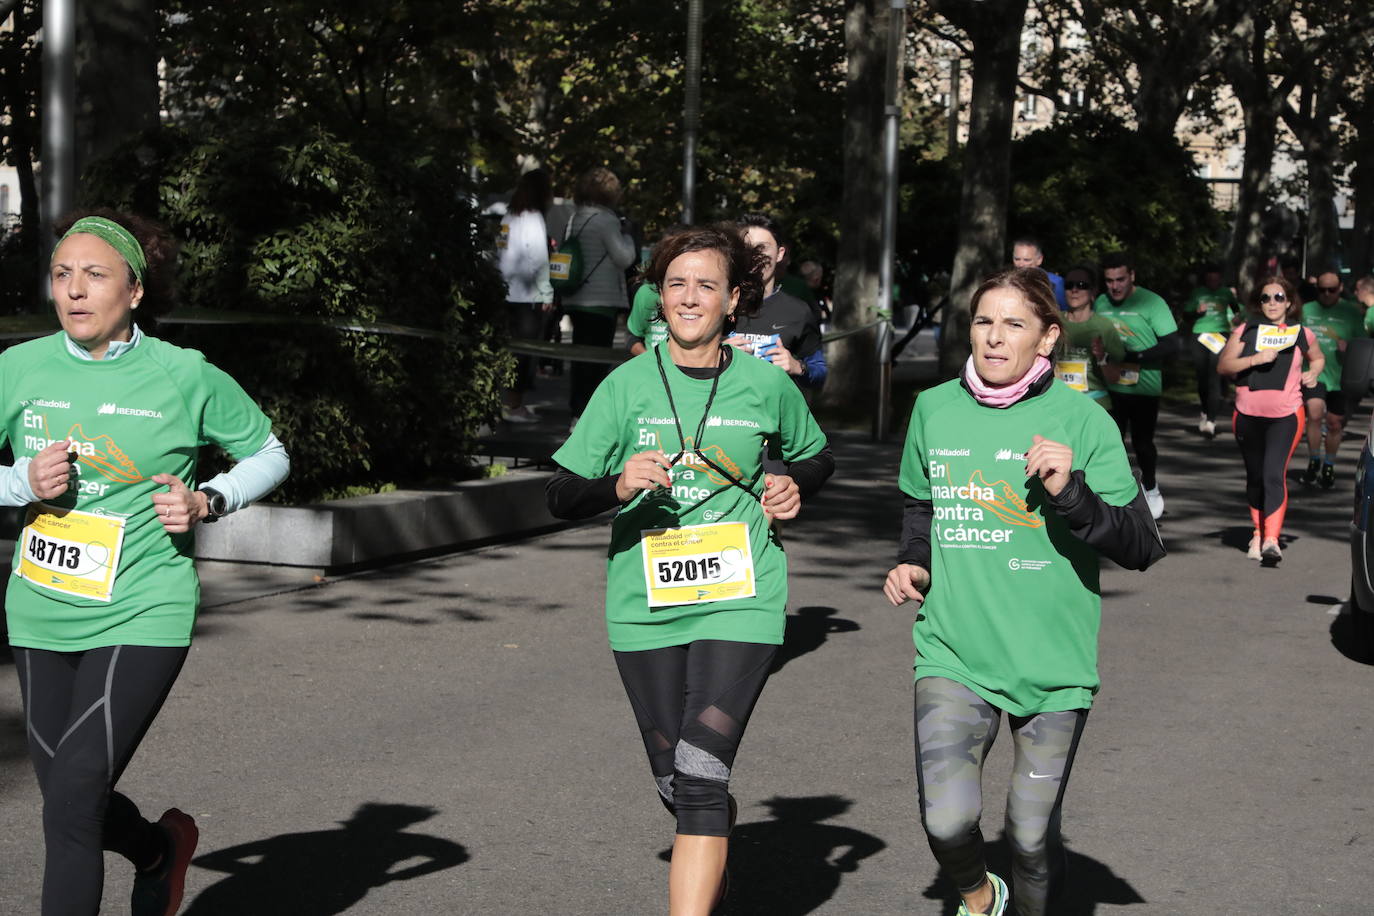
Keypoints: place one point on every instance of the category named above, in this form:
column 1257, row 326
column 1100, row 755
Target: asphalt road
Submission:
column 450, row 736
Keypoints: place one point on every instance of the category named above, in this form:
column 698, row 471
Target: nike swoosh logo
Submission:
column 1035, row 775
column 779, row 327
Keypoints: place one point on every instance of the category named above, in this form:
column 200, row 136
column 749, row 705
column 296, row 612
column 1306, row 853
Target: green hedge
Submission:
column 287, row 219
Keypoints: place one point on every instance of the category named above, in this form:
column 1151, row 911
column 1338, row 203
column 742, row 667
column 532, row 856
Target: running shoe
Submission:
column 519, row 415
column 1202, row 424
column 1254, row 552
column 1209, row 429
column 158, row 892
column 1328, row 478
column 999, row 899
column 1155, row 500
column 1309, row 476
column 1271, row 550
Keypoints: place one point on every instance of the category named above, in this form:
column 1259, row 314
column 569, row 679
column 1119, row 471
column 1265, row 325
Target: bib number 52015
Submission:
column 688, row 571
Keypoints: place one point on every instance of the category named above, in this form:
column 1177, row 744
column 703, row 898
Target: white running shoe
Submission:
column 1155, row 501
column 519, row 415
column 1254, row 552
column 1209, row 429
column 1202, row 424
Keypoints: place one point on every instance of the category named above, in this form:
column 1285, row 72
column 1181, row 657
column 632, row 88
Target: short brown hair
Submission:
column 743, row 265
column 1034, row 286
column 597, row 186
column 1294, row 310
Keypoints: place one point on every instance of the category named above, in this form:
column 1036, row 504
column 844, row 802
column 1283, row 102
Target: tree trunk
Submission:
column 1362, row 238
column 994, row 28
column 1323, row 233
column 1243, row 255
column 116, row 75
column 852, row 382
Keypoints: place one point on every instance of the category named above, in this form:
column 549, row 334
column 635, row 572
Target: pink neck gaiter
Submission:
column 1005, row 395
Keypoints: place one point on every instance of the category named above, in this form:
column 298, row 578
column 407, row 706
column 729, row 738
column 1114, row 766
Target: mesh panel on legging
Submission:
column 955, row 728
column 692, row 704
column 86, row 713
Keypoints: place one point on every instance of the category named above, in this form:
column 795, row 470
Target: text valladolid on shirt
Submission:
column 755, row 403
column 1141, row 319
column 146, row 413
column 1014, row 607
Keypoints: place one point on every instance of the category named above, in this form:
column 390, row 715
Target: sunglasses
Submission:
column 1265, row 298
column 1078, row 284
column 1328, row 289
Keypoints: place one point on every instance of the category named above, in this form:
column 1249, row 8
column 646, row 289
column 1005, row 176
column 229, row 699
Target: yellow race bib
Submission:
column 1273, row 337
column 72, row 552
column 560, row 266
column 1130, row 374
column 1212, row 341
column 698, row 563
column 1073, row 372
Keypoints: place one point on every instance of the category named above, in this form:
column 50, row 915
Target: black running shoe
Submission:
column 159, row 892
column 1328, row 476
column 1309, row 476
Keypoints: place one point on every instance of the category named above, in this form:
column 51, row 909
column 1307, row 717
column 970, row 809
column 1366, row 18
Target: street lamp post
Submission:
column 58, row 155
column 892, row 114
column 691, row 113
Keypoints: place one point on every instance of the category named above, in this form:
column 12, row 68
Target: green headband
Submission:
column 116, row 236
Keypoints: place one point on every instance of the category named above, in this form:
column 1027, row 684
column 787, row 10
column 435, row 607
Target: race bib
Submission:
column 1073, row 372
column 698, row 563
column 1130, row 375
column 503, row 239
column 75, row 553
column 1274, row 337
column 560, row 266
column 1212, row 341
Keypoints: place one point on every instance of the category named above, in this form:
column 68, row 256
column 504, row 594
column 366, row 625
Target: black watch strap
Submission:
column 216, row 505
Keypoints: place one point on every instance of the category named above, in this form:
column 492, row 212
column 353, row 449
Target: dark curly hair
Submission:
column 743, row 265
column 159, row 249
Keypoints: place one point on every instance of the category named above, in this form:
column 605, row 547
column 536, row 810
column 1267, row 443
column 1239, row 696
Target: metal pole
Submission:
column 691, row 113
column 952, row 142
column 892, row 114
column 58, row 156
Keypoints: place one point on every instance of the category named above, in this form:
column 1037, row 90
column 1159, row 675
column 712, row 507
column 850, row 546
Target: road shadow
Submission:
column 807, row 630
column 324, row 872
column 1352, row 635
column 1088, row 883
column 791, row 865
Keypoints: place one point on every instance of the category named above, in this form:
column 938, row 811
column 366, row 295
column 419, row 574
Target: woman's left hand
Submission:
column 180, row 507
column 1309, row 378
column 1051, row 462
column 781, row 497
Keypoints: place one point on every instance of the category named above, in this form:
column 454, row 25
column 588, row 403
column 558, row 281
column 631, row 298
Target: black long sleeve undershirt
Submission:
column 1166, row 348
column 571, row 496
column 1126, row 535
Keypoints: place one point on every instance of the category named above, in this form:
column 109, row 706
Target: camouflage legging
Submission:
column 955, row 729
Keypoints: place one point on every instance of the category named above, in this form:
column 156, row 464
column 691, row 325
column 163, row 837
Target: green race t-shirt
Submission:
column 1141, row 319
column 1341, row 321
column 1215, row 309
column 147, row 412
column 756, row 403
column 1014, row 605
column 1077, row 367
column 643, row 321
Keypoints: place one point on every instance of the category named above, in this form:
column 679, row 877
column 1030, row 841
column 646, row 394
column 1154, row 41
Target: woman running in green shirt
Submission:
column 696, row 584
column 106, row 423
column 1015, row 485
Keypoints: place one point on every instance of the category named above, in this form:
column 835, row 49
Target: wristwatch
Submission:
column 215, row 504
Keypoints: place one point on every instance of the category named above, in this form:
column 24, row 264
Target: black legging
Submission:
column 1138, row 414
column 1266, row 445
column 1209, row 388
column 85, row 714
column 590, row 329
column 692, row 704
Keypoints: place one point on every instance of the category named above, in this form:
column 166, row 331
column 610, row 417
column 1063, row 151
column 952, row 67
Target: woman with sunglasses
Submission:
column 1091, row 352
column 1010, row 462
column 696, row 580
column 1265, row 354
